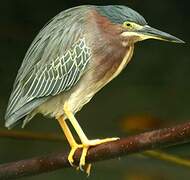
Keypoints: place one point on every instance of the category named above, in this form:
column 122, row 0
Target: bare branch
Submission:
column 146, row 141
column 31, row 135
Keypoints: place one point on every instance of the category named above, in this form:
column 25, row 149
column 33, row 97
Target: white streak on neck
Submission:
column 124, row 62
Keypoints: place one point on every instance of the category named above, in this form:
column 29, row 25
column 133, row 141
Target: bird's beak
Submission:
column 147, row 32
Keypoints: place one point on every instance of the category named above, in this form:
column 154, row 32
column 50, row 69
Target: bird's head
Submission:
column 134, row 26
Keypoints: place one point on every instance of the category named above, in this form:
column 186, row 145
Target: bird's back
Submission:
column 49, row 67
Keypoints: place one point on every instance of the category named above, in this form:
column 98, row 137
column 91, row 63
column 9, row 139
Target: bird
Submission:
column 74, row 56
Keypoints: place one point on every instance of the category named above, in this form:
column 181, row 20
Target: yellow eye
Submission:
column 128, row 25
column 131, row 26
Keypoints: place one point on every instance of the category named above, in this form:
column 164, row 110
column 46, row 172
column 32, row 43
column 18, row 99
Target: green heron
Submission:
column 74, row 56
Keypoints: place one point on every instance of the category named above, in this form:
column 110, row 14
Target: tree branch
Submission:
column 31, row 135
column 146, row 141
column 27, row 135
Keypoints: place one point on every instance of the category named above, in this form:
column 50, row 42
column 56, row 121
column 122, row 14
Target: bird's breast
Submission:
column 109, row 67
column 122, row 63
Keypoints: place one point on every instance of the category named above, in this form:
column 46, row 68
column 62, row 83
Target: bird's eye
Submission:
column 128, row 25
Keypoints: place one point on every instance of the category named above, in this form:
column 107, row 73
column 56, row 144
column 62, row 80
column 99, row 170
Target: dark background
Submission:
column 154, row 88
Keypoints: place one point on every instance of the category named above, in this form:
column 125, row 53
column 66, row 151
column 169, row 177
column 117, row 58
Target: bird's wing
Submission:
column 54, row 63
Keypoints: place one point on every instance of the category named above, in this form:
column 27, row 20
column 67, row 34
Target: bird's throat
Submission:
column 124, row 62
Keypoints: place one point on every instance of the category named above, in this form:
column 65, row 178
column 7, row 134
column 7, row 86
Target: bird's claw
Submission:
column 86, row 146
column 72, row 152
column 90, row 143
column 83, row 157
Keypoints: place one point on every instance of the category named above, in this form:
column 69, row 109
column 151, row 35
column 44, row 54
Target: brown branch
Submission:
column 146, row 141
column 31, row 135
column 27, row 135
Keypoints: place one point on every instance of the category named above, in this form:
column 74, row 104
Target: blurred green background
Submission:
column 152, row 91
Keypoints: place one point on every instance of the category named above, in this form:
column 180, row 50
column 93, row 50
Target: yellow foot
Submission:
column 86, row 146
column 72, row 152
column 87, row 167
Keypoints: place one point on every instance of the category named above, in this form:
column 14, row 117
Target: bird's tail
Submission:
column 12, row 119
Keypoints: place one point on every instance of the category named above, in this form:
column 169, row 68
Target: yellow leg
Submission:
column 70, row 139
column 86, row 143
column 72, row 142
